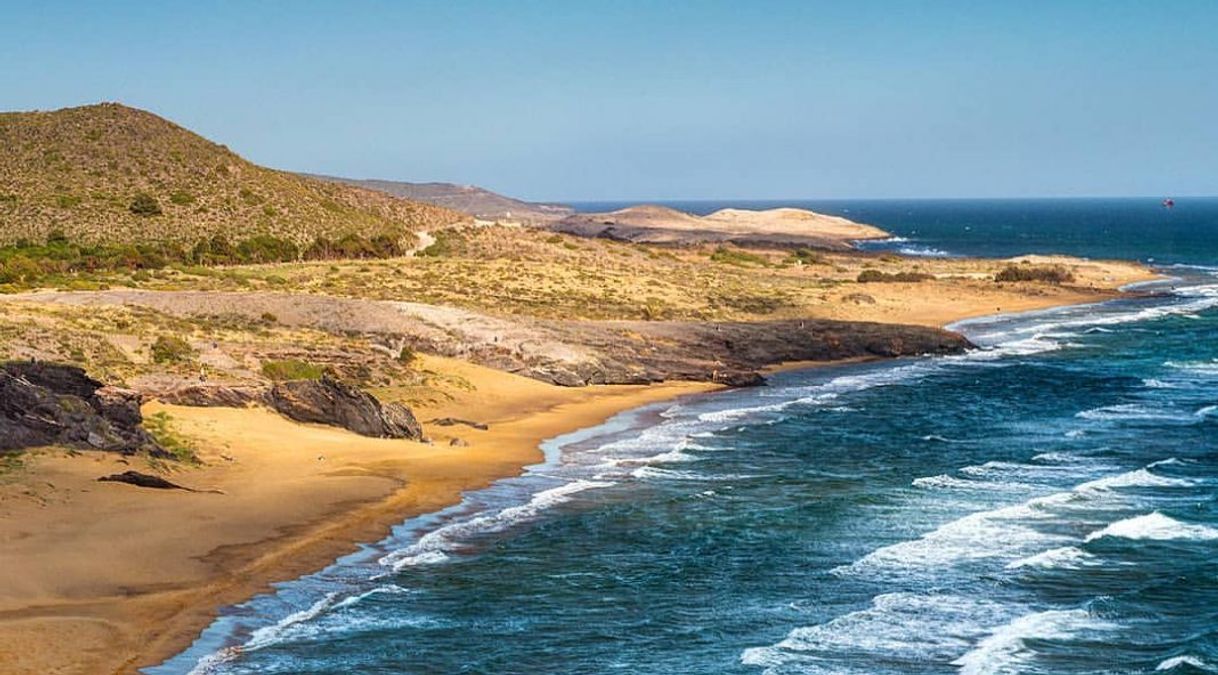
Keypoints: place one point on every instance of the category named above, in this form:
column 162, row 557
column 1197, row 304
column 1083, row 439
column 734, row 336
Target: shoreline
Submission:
column 123, row 625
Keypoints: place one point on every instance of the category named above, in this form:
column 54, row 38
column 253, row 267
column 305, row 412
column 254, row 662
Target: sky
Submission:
column 570, row 100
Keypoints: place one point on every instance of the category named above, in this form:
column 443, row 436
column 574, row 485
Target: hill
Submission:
column 468, row 199
column 111, row 174
column 662, row 225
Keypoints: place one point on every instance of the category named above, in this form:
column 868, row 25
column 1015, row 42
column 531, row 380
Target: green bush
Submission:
column 406, row 356
column 1053, row 274
column 182, row 198
column 737, row 257
column 145, row 204
column 876, row 276
column 171, row 349
column 807, row 256
column 291, row 369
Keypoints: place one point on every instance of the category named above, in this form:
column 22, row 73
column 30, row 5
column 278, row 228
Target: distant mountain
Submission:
column 662, row 225
column 108, row 173
column 469, row 199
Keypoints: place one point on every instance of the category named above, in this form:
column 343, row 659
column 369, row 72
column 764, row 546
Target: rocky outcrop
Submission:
column 336, row 403
column 213, row 396
column 49, row 404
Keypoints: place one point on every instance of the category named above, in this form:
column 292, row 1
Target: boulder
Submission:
column 50, row 404
column 336, row 403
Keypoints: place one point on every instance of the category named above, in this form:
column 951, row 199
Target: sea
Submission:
column 1044, row 503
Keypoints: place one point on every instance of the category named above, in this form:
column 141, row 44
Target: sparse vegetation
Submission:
column 160, row 426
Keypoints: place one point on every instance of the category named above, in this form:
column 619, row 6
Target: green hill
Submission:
column 110, row 174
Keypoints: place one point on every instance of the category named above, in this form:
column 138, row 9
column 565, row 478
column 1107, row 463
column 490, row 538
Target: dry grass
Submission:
column 512, row 271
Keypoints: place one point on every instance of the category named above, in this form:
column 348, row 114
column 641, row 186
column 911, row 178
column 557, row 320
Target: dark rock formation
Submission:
column 637, row 352
column 330, row 401
column 48, row 404
column 143, row 480
column 454, row 421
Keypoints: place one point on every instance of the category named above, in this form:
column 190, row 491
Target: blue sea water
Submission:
column 1047, row 503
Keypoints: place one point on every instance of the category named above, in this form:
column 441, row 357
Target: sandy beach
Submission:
column 104, row 577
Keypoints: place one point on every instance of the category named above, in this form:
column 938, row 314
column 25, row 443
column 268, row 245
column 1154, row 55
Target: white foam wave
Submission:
column 1063, row 557
column 656, row 473
column 437, row 545
column 923, row 251
column 1155, row 383
column 1185, row 660
column 999, row 533
column 977, row 536
column 1154, row 526
column 1131, row 411
column 906, row 626
column 944, row 481
column 1006, row 650
column 672, row 456
column 1138, row 478
column 1203, row 367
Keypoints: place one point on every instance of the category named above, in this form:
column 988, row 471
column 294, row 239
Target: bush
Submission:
column 806, row 256
column 145, row 204
column 876, row 276
column 1053, row 274
column 291, row 369
column 171, row 349
column 732, row 256
column 182, row 198
column 406, row 356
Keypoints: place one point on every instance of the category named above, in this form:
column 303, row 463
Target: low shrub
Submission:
column 145, row 204
column 171, row 349
column 1053, row 274
column 876, row 276
column 731, row 256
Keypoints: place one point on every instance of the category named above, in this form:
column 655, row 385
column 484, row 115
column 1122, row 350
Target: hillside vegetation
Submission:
column 110, row 174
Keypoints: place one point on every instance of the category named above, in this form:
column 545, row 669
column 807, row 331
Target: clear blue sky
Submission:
column 644, row 100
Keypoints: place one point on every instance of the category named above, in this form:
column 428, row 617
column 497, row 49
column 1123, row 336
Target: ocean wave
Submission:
column 1155, row 383
column 1133, row 412
column 923, row 252
column 435, row 546
column 1006, row 650
column 977, row 536
column 1138, row 478
column 672, row 456
column 1156, row 527
column 1204, row 367
column 1191, row 300
column 1003, row 532
column 1185, row 660
column 944, row 481
column 906, row 626
column 1063, row 557
column 656, row 473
